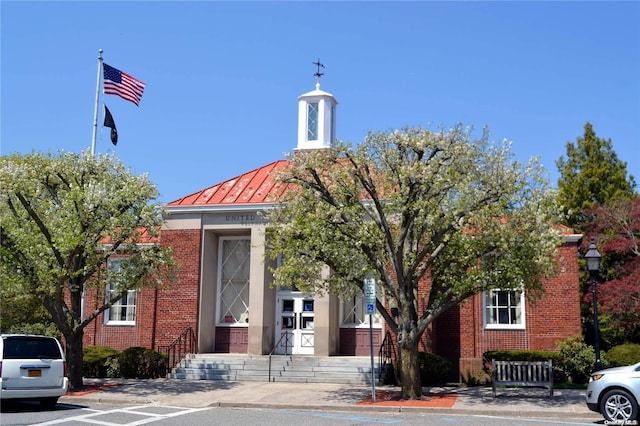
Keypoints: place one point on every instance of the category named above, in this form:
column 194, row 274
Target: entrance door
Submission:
column 295, row 325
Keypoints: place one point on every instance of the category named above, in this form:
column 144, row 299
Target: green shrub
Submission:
column 577, row 359
column 142, row 363
column 434, row 369
column 96, row 361
column 520, row 355
column 113, row 367
column 626, row 354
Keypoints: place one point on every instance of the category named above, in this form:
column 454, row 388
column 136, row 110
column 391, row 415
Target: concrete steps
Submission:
column 284, row 368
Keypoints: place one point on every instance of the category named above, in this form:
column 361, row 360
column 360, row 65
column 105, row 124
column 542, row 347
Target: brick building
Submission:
column 224, row 293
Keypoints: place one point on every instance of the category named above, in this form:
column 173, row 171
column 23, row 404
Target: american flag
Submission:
column 120, row 83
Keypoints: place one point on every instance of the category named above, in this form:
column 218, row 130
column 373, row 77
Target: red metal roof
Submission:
column 254, row 187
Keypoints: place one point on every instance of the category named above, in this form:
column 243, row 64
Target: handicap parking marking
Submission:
column 131, row 416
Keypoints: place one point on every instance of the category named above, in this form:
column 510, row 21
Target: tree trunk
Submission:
column 74, row 359
column 409, row 372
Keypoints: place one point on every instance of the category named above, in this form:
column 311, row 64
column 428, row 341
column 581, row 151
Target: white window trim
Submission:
column 219, row 323
column 107, row 312
column 111, row 322
column 487, row 326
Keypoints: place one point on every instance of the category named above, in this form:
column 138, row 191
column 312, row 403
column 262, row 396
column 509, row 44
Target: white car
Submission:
column 32, row 368
column 615, row 393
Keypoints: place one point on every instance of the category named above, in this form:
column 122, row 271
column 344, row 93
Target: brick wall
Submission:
column 120, row 336
column 161, row 314
column 177, row 306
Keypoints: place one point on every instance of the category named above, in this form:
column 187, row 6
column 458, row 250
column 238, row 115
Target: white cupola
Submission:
column 316, row 117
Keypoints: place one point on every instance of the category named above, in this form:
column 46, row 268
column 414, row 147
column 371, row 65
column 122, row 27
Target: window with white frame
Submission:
column 233, row 280
column 504, row 309
column 122, row 312
column 354, row 313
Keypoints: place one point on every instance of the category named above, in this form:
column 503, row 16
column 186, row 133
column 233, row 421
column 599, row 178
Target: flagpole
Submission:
column 95, row 111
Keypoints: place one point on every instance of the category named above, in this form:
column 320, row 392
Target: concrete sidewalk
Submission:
column 531, row 403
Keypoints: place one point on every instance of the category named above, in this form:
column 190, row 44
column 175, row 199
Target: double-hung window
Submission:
column 123, row 311
column 504, row 309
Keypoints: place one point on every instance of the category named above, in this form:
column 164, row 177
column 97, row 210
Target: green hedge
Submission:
column 518, row 356
column 434, row 369
column 626, row 354
column 99, row 361
column 142, row 363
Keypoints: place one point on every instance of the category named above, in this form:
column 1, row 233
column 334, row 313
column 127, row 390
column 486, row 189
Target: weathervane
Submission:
column 318, row 74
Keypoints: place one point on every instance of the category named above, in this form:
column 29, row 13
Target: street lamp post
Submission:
column 593, row 266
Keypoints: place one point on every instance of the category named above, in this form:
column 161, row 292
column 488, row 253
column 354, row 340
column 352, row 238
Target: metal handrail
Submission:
column 386, row 357
column 284, row 336
column 185, row 344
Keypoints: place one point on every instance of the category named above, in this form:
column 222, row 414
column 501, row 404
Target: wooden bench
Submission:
column 522, row 374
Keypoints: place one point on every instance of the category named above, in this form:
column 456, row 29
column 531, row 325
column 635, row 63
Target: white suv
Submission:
column 615, row 393
column 32, row 368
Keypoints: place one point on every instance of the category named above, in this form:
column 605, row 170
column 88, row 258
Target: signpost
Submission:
column 370, row 304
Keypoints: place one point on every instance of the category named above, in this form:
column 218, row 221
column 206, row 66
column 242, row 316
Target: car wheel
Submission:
column 618, row 404
column 48, row 403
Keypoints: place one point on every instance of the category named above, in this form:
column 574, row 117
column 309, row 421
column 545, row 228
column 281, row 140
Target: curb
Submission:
column 402, row 409
column 359, row 408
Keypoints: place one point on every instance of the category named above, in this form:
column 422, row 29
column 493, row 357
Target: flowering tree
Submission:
column 62, row 218
column 435, row 217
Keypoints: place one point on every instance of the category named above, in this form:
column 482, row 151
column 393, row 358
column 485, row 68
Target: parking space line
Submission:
column 138, row 410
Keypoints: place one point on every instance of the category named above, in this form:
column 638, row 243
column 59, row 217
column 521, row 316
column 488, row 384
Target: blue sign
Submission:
column 371, row 308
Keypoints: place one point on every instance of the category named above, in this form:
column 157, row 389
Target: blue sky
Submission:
column 223, row 77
